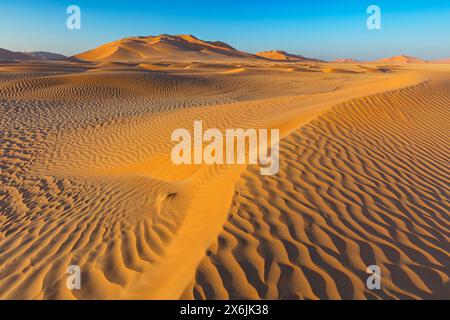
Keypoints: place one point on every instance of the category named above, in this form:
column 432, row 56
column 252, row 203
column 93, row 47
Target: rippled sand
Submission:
column 87, row 179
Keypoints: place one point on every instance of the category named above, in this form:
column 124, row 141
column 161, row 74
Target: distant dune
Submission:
column 280, row 55
column 345, row 60
column 178, row 48
column 35, row 55
column 442, row 61
column 44, row 55
column 401, row 59
column 164, row 47
column 11, row 55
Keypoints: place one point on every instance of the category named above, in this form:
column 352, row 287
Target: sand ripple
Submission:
column 366, row 183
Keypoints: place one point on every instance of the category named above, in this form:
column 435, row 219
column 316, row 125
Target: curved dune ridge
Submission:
column 365, row 184
column 87, row 180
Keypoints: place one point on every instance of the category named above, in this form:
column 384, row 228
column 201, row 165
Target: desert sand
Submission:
column 280, row 55
column 87, row 179
column 401, row 59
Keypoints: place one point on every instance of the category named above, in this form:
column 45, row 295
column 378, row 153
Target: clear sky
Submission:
column 321, row 29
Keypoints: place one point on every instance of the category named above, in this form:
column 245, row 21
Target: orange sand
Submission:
column 87, row 178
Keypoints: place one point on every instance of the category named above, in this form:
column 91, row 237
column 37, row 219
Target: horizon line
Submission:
column 251, row 52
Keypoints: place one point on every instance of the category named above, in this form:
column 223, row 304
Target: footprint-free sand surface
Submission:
column 87, row 179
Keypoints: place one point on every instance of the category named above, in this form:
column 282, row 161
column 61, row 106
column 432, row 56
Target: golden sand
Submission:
column 87, row 179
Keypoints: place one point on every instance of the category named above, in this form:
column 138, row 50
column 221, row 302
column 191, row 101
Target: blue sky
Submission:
column 321, row 29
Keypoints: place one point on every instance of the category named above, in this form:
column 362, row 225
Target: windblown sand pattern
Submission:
column 86, row 179
column 366, row 183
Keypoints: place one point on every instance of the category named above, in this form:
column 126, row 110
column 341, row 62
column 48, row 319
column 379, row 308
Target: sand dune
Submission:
column 402, row 59
column 10, row 55
column 164, row 48
column 44, row 55
column 442, row 61
column 347, row 60
column 35, row 55
column 280, row 55
column 87, row 178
